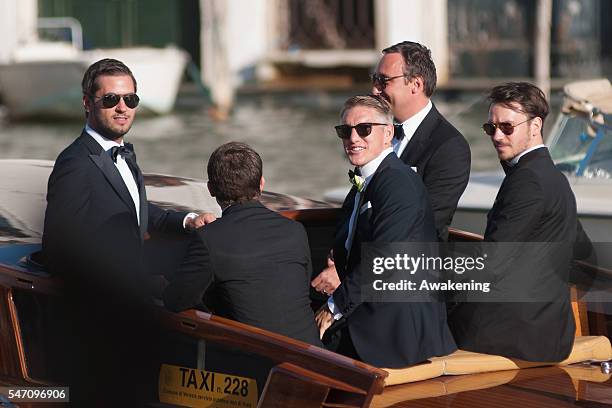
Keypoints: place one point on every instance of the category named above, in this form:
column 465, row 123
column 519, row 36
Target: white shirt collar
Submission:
column 410, row 126
column 102, row 141
column 514, row 161
column 368, row 169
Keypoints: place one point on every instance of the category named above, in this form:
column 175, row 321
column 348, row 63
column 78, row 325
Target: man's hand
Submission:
column 327, row 281
column 324, row 319
column 199, row 221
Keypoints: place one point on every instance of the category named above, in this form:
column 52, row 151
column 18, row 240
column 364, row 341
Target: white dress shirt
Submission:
column 122, row 166
column 516, row 159
column 367, row 171
column 410, row 126
column 126, row 173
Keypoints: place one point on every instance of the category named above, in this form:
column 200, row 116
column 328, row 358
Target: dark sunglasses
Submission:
column 506, row 128
column 381, row 80
column 363, row 129
column 111, row 100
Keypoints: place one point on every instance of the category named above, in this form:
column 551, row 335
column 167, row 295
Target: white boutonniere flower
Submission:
column 357, row 180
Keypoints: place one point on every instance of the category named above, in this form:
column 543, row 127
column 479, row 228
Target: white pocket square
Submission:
column 414, row 169
column 364, row 207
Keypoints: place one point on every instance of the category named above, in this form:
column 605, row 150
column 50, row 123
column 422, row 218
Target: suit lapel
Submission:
column 144, row 204
column 340, row 254
column 104, row 162
column 421, row 139
column 383, row 165
column 508, row 170
column 356, row 224
column 144, row 209
column 538, row 154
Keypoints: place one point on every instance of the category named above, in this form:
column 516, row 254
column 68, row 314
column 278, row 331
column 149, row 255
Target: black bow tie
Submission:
column 353, row 173
column 127, row 151
column 398, row 132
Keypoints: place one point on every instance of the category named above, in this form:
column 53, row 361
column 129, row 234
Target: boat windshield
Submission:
column 581, row 149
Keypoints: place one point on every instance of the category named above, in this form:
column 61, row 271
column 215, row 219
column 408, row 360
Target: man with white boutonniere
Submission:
column 393, row 334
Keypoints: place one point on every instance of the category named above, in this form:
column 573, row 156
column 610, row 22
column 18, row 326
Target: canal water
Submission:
column 293, row 132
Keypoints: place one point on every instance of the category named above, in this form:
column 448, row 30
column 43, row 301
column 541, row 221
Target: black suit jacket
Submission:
column 251, row 265
column 390, row 334
column 90, row 221
column 92, row 239
column 534, row 204
column 442, row 158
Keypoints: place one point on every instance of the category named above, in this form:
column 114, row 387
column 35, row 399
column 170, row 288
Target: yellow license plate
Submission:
column 198, row 388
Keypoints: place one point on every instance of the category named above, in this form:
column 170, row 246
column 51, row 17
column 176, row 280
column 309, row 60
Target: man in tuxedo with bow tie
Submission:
column 97, row 209
column 423, row 138
column 387, row 204
column 535, row 204
column 406, row 77
column 95, row 223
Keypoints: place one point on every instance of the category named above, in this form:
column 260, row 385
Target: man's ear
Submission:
column 536, row 127
column 262, row 182
column 211, row 189
column 389, row 131
column 86, row 104
column 417, row 85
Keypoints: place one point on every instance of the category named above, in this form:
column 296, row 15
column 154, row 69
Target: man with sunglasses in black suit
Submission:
column 96, row 193
column 385, row 334
column 424, row 139
column 535, row 204
column 95, row 223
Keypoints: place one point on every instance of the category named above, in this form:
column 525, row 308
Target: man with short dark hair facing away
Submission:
column 252, row 264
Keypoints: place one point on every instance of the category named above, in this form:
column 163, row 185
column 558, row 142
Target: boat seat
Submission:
column 586, row 348
column 453, row 384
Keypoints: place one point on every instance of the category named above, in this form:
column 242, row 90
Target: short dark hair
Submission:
column 378, row 103
column 529, row 97
column 417, row 63
column 234, row 173
column 106, row 66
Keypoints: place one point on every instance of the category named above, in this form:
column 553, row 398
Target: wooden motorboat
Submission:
column 299, row 375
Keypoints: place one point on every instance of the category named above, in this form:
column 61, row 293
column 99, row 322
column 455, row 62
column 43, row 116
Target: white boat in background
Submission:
column 44, row 78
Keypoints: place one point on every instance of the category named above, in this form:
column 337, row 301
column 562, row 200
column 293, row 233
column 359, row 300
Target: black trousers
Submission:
column 338, row 339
